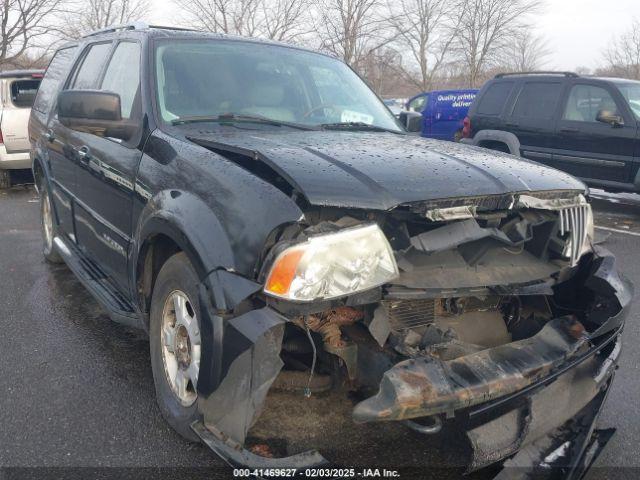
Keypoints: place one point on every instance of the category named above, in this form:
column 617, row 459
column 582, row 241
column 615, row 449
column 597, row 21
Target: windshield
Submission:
column 631, row 93
column 209, row 78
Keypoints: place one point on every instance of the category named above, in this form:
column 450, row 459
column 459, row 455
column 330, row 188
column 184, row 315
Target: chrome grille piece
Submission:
column 406, row 314
column 574, row 221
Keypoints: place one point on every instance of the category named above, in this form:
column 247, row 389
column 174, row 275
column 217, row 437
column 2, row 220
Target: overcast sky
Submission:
column 577, row 31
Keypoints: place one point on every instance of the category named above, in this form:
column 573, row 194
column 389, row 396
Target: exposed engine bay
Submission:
column 488, row 300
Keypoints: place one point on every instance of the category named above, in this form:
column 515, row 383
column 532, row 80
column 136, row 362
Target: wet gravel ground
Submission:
column 77, row 390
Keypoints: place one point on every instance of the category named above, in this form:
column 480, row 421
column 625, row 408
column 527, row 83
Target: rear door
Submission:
column 61, row 173
column 532, row 118
column 17, row 102
column 107, row 169
column 590, row 149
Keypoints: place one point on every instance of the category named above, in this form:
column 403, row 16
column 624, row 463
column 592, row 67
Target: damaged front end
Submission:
column 493, row 319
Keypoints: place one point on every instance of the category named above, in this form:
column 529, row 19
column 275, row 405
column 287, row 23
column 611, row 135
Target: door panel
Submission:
column 532, row 119
column 590, row 149
column 62, row 173
column 106, row 178
column 107, row 171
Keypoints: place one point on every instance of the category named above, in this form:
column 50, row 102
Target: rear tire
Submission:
column 48, row 227
column 174, row 335
column 5, row 179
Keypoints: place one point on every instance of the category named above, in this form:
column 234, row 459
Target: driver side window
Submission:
column 417, row 104
column 585, row 101
column 123, row 77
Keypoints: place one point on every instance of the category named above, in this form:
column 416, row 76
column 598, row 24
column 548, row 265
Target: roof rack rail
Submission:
column 166, row 27
column 537, row 72
column 135, row 26
column 115, row 28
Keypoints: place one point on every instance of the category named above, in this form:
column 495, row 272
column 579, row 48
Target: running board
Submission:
column 97, row 282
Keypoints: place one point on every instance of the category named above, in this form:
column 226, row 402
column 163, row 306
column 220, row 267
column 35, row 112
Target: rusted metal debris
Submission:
column 421, row 386
column 328, row 324
column 261, row 449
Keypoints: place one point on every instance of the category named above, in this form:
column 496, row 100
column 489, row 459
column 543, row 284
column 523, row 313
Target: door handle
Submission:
column 49, row 136
column 84, row 155
column 569, row 130
column 512, row 124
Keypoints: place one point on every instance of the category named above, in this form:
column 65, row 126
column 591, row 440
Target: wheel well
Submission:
column 495, row 145
column 155, row 252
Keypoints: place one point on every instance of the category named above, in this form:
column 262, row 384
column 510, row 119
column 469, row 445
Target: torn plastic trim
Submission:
column 236, row 455
column 460, row 208
column 451, row 213
column 529, row 201
column 422, row 387
column 230, row 288
column 459, row 233
column 491, row 202
column 250, row 362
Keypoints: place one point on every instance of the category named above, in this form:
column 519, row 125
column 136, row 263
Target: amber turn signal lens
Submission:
column 283, row 272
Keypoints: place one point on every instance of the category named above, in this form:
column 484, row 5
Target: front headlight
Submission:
column 332, row 265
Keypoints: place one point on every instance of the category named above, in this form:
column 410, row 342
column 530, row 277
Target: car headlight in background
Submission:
column 333, row 265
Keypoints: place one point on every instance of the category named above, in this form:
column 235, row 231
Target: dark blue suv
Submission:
column 585, row 126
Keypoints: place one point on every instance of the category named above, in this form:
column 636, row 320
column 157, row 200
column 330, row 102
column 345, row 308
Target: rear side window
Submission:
column 53, row 78
column 493, row 100
column 538, row 100
column 23, row 92
column 88, row 71
column 123, row 75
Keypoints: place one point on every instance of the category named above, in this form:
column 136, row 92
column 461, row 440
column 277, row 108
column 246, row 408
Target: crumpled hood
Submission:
column 383, row 170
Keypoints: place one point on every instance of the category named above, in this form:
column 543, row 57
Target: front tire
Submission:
column 48, row 227
column 175, row 343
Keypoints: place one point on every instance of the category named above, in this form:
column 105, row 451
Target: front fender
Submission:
column 191, row 224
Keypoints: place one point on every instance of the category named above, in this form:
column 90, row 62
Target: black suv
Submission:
column 585, row 126
column 312, row 278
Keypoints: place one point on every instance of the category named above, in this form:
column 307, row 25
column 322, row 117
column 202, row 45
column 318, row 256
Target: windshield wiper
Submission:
column 234, row 117
column 358, row 127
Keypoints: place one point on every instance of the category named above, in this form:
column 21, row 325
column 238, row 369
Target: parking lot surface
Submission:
column 78, row 389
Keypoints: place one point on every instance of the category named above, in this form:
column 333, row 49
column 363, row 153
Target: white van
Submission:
column 17, row 91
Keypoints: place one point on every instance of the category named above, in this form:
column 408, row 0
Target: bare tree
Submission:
column 285, row 20
column 89, row 15
column 623, row 54
column 352, row 29
column 526, row 53
column 281, row 20
column 380, row 68
column 25, row 24
column 486, row 27
column 426, row 29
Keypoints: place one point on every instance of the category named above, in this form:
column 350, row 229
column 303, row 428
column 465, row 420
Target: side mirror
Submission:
column 612, row 118
column 95, row 112
column 412, row 121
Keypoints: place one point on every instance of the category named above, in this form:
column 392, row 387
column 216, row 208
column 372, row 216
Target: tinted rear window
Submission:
column 23, row 92
column 494, row 98
column 538, row 100
column 53, row 77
